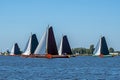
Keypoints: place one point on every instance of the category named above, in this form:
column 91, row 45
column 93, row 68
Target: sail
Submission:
column 101, row 47
column 97, row 49
column 61, row 46
column 47, row 43
column 65, row 48
column 104, row 48
column 26, row 46
column 31, row 45
column 51, row 43
column 34, row 43
column 15, row 50
column 28, row 51
column 41, row 48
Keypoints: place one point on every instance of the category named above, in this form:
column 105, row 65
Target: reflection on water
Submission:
column 76, row 68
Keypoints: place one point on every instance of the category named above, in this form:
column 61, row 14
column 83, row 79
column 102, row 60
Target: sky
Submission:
column 83, row 21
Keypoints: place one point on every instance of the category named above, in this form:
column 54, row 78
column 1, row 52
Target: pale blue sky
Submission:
column 83, row 21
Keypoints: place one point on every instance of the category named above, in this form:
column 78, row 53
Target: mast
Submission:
column 47, row 39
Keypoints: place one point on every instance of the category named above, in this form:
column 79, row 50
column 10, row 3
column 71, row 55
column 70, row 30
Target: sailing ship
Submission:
column 31, row 45
column 47, row 47
column 15, row 50
column 47, row 43
column 101, row 48
column 65, row 48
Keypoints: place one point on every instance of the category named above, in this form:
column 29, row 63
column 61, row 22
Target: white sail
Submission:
column 13, row 50
column 99, row 48
column 41, row 48
column 28, row 50
column 60, row 49
column 97, row 51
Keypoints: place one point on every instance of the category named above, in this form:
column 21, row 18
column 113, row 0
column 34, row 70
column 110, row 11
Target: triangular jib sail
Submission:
column 101, row 48
column 31, row 45
column 65, row 48
column 41, row 48
column 15, row 50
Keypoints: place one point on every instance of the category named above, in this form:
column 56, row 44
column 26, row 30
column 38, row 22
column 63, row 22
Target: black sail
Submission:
column 17, row 49
column 51, row 43
column 66, row 46
column 104, row 47
column 34, row 43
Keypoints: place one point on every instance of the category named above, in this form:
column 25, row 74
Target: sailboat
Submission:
column 47, row 47
column 15, row 50
column 47, row 43
column 101, row 48
column 31, row 45
column 65, row 48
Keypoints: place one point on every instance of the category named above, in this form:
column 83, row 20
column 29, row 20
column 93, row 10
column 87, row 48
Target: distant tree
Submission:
column 83, row 50
column 111, row 50
column 75, row 50
column 88, row 51
column 91, row 49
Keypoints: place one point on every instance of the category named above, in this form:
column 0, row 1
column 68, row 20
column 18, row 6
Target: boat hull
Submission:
column 46, row 56
column 103, row 55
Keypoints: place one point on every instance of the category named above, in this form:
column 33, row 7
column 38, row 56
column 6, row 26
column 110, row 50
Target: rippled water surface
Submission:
column 76, row 68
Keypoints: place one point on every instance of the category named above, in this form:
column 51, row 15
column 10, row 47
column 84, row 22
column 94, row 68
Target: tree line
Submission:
column 89, row 51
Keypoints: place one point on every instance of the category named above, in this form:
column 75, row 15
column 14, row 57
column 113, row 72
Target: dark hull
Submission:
column 60, row 56
column 45, row 56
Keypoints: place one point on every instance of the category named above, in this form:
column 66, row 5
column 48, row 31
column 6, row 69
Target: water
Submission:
column 76, row 68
